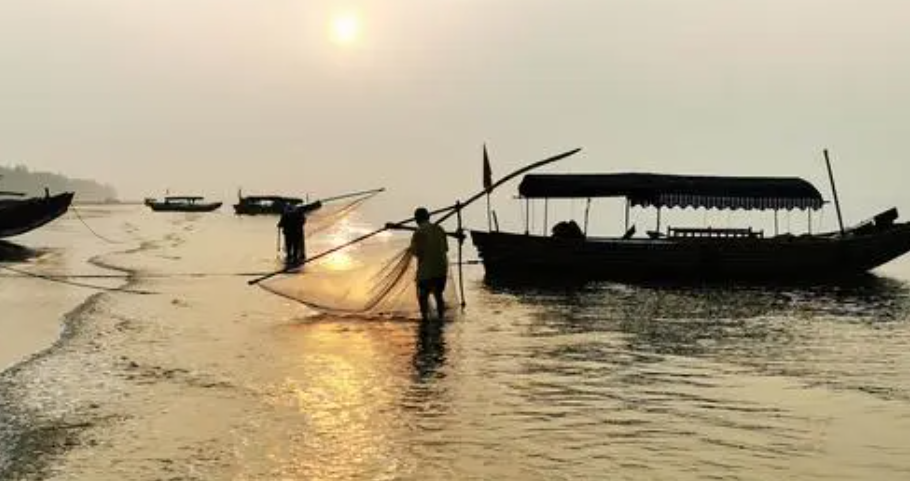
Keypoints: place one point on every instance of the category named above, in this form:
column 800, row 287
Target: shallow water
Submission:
column 212, row 379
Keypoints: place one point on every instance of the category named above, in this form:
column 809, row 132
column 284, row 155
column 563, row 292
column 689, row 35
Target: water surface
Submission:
column 212, row 379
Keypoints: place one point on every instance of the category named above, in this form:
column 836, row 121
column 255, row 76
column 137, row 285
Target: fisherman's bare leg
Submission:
column 289, row 248
column 439, row 287
column 440, row 304
column 423, row 299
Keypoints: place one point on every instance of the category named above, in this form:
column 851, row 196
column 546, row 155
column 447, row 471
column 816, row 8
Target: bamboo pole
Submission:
column 447, row 212
column 460, row 248
column 352, row 194
column 840, row 219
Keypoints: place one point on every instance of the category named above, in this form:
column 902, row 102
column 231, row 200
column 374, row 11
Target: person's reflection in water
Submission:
column 430, row 353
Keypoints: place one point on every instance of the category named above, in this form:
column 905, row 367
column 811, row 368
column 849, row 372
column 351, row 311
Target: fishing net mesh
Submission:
column 330, row 215
column 372, row 279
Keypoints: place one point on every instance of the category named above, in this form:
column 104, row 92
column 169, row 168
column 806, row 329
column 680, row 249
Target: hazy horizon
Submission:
column 207, row 97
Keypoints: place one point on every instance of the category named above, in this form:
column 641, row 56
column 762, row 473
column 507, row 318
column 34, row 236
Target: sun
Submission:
column 346, row 28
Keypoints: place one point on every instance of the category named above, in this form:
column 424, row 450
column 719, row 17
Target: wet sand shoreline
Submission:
column 28, row 440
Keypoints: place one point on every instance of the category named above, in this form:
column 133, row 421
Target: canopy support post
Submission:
column 658, row 219
column 776, row 229
column 546, row 212
column 840, row 220
column 527, row 215
column 627, row 213
column 810, row 220
column 587, row 211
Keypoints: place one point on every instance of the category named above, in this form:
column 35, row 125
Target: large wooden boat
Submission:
column 689, row 253
column 265, row 204
column 182, row 204
column 20, row 214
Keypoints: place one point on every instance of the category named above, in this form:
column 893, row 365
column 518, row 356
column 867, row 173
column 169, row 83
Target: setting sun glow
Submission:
column 346, row 28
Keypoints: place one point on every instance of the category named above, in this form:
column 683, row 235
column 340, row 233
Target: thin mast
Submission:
column 840, row 219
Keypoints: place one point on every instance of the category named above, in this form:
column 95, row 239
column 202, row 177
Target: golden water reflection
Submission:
column 341, row 401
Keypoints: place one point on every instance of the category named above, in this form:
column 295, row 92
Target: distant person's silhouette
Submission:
column 292, row 224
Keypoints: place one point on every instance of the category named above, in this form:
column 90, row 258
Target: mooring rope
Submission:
column 64, row 280
column 174, row 275
column 105, row 239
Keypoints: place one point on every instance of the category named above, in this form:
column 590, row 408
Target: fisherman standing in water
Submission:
column 292, row 224
column 430, row 246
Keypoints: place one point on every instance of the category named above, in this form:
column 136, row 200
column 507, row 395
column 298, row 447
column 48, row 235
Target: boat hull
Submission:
column 176, row 207
column 20, row 216
column 276, row 208
column 506, row 255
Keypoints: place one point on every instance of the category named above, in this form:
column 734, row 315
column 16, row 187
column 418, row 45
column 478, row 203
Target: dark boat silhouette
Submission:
column 689, row 253
column 20, row 214
column 265, row 204
column 182, row 203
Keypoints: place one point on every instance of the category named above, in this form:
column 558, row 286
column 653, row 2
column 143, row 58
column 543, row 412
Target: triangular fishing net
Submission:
column 373, row 279
column 329, row 215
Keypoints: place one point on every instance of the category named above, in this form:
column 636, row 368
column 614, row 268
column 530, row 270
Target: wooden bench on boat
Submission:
column 713, row 232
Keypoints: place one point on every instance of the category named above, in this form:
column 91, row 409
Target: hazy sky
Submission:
column 210, row 95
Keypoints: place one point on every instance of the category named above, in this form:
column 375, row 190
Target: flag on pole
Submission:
column 487, row 171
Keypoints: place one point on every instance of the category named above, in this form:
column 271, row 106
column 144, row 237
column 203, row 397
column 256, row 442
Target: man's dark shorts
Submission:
column 428, row 286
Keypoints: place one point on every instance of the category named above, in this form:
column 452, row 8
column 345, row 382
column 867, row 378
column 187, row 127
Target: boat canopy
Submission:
column 659, row 190
column 271, row 198
column 190, row 198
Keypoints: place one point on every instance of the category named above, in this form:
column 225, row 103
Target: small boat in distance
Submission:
column 20, row 214
column 265, row 204
column 687, row 252
column 182, row 203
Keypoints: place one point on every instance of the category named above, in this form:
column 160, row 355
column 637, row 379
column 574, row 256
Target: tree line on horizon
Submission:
column 20, row 179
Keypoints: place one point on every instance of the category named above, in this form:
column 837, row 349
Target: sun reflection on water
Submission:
column 341, row 402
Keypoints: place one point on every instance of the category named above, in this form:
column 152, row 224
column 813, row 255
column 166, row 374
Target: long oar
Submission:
column 452, row 210
column 507, row 178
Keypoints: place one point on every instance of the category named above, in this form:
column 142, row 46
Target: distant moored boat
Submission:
column 265, row 204
column 182, row 203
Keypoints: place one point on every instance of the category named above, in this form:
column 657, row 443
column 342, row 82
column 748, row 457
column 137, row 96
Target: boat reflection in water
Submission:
column 780, row 326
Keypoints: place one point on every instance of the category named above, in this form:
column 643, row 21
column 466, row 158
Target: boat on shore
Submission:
column 182, row 203
column 689, row 253
column 20, row 214
column 265, row 204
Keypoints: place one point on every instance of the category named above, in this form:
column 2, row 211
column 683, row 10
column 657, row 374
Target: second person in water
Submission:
column 292, row 225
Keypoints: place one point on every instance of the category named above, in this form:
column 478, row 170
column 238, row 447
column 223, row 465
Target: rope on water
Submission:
column 141, row 276
column 63, row 280
column 105, row 239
